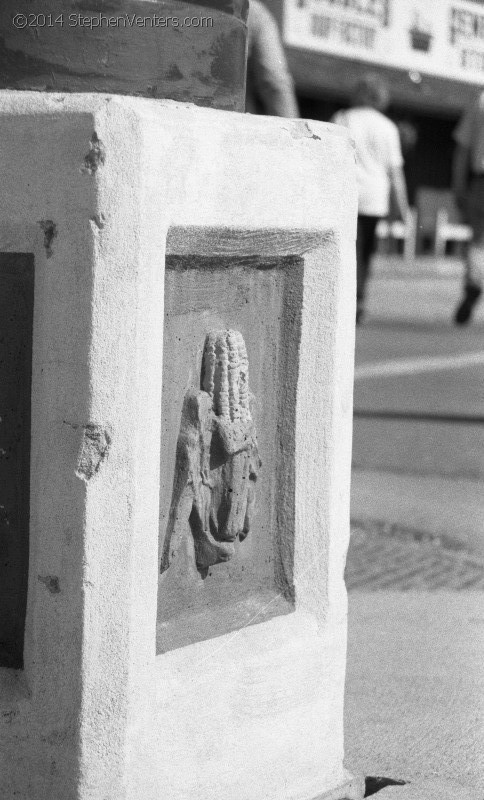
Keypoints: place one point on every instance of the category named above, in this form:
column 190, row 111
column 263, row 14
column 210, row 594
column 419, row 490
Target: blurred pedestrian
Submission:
column 408, row 137
column 468, row 186
column 270, row 88
column 379, row 171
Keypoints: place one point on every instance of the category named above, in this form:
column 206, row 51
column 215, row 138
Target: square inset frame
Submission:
column 255, row 288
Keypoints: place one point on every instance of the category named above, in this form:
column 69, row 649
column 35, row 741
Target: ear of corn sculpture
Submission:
column 217, row 459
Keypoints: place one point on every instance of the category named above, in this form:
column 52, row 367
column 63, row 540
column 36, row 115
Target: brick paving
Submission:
column 383, row 556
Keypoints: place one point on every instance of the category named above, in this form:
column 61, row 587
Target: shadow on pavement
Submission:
column 374, row 784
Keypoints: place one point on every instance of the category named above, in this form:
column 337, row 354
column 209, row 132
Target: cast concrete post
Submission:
column 235, row 223
column 178, row 300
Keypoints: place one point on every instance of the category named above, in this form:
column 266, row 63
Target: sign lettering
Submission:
column 437, row 37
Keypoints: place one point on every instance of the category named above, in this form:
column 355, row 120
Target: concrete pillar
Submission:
column 143, row 215
column 173, row 613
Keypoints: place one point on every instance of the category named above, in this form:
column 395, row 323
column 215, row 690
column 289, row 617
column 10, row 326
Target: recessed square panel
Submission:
column 231, row 338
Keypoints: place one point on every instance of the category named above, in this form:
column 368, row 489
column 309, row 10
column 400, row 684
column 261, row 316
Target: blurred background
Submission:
column 430, row 52
column 415, row 569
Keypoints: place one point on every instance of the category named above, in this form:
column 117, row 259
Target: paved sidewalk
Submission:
column 437, row 504
column 421, row 266
column 429, row 790
column 418, row 473
column 415, row 688
column 386, row 556
column 439, row 278
column 415, row 676
column 415, row 570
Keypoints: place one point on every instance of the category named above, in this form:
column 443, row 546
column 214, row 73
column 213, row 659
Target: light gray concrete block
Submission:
column 96, row 714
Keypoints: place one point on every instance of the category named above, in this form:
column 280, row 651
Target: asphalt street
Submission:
column 414, row 707
column 418, row 442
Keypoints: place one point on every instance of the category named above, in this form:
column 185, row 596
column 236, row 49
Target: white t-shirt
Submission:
column 378, row 151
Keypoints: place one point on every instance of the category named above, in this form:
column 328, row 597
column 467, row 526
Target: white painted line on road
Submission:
column 400, row 366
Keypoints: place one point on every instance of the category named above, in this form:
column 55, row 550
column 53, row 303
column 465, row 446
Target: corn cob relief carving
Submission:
column 217, row 459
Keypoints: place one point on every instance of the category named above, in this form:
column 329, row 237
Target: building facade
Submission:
column 431, row 53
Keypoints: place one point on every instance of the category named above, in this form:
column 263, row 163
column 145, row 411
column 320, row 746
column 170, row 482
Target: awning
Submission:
column 319, row 75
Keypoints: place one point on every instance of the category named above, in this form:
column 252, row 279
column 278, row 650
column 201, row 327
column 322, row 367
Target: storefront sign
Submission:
column 439, row 37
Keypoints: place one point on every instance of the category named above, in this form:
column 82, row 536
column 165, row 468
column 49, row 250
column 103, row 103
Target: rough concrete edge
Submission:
column 352, row 789
column 214, row 241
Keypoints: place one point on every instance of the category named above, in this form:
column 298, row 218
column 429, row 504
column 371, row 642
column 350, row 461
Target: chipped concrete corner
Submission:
column 96, row 156
column 97, row 222
column 300, row 130
column 50, row 232
column 95, row 445
column 51, row 582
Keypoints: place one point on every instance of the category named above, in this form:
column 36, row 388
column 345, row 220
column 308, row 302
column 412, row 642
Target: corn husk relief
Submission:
column 217, row 458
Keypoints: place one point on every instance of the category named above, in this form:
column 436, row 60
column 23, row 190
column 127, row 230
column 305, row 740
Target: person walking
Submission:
column 270, row 88
column 379, row 173
column 468, row 187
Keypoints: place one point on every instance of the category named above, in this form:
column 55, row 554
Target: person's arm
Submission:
column 268, row 67
column 398, row 185
column 399, row 189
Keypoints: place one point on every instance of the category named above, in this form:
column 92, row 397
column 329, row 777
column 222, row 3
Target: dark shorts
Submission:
column 475, row 207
